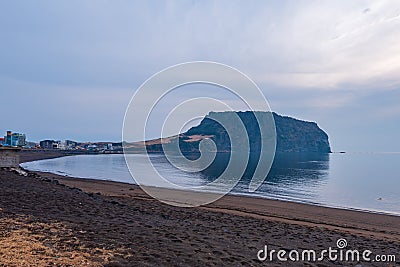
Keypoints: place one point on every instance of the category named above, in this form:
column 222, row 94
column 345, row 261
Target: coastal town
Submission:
column 19, row 140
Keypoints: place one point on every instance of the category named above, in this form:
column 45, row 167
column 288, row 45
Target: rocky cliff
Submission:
column 292, row 135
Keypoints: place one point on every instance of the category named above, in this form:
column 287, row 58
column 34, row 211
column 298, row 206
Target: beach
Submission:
column 52, row 220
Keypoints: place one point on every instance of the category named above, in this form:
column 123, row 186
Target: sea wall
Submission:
column 9, row 157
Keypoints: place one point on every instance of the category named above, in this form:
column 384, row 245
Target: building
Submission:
column 8, row 138
column 31, row 145
column 9, row 157
column 92, row 147
column 70, row 144
column 109, row 146
column 14, row 139
column 61, row 145
column 18, row 139
column 49, row 144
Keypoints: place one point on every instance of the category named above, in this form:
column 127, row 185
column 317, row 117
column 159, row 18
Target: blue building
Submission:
column 14, row 139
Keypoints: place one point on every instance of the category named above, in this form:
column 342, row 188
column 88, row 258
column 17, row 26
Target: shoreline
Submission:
column 60, row 154
column 48, row 219
column 294, row 212
column 67, row 177
column 126, row 227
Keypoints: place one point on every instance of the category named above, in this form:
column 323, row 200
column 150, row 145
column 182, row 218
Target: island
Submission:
column 292, row 135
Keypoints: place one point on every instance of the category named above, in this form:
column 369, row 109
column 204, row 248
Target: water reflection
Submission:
column 297, row 176
column 292, row 176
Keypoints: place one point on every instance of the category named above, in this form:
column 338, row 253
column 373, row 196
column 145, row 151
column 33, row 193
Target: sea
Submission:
column 358, row 181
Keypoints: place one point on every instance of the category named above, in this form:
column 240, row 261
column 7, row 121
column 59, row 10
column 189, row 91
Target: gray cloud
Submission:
column 77, row 63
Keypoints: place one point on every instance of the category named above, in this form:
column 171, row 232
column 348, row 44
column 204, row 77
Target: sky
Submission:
column 69, row 68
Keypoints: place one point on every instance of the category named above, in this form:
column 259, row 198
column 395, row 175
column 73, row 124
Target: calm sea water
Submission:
column 366, row 181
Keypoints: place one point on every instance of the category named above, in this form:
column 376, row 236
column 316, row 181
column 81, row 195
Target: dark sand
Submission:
column 49, row 220
column 26, row 155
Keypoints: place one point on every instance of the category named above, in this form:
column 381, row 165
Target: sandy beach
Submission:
column 50, row 220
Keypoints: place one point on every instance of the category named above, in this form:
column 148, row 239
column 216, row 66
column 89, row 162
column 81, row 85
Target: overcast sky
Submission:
column 69, row 68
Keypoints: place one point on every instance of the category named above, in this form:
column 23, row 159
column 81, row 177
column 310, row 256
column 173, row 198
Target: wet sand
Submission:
column 50, row 220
